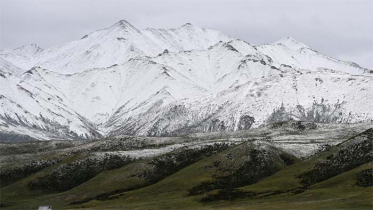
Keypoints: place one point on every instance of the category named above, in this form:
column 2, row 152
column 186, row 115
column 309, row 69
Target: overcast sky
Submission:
column 339, row 28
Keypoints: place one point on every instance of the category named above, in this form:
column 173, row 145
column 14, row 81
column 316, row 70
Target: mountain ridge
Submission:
column 196, row 84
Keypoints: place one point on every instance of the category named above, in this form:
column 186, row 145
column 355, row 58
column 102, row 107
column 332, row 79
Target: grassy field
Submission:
column 249, row 175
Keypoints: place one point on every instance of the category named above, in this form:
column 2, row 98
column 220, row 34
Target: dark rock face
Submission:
column 279, row 115
column 217, row 125
column 319, row 112
column 231, row 48
column 245, row 122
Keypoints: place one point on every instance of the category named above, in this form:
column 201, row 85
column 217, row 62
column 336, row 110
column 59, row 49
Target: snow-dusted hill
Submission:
column 122, row 80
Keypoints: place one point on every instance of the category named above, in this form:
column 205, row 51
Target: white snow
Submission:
column 122, row 80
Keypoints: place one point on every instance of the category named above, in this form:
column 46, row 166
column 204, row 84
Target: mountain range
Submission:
column 155, row 82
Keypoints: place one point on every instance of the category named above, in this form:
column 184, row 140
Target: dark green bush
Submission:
column 344, row 159
column 168, row 164
column 13, row 174
column 70, row 175
column 365, row 178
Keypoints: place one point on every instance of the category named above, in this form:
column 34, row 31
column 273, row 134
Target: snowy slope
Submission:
column 125, row 81
column 186, row 37
column 101, row 95
column 291, row 52
column 116, row 45
column 30, row 106
column 23, row 56
column 321, row 96
column 222, row 66
column 96, row 94
column 6, row 66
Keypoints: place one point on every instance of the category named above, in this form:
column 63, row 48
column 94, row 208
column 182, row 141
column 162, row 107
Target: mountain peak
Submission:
column 31, row 48
column 291, row 43
column 124, row 24
column 187, row 25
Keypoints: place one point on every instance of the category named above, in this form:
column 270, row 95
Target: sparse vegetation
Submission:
column 253, row 173
column 365, row 178
column 347, row 157
column 70, row 175
column 12, row 174
column 170, row 163
column 260, row 164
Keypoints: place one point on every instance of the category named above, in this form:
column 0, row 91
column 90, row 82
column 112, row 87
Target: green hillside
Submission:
column 252, row 173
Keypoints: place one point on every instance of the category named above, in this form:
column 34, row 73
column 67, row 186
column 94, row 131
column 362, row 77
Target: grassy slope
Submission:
column 338, row 192
column 19, row 196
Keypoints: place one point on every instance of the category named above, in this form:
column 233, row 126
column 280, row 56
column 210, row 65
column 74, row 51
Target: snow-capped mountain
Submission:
column 320, row 96
column 31, row 106
column 9, row 68
column 291, row 52
column 122, row 80
column 115, row 45
column 22, row 56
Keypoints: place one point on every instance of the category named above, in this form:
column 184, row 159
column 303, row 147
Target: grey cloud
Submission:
column 339, row 28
